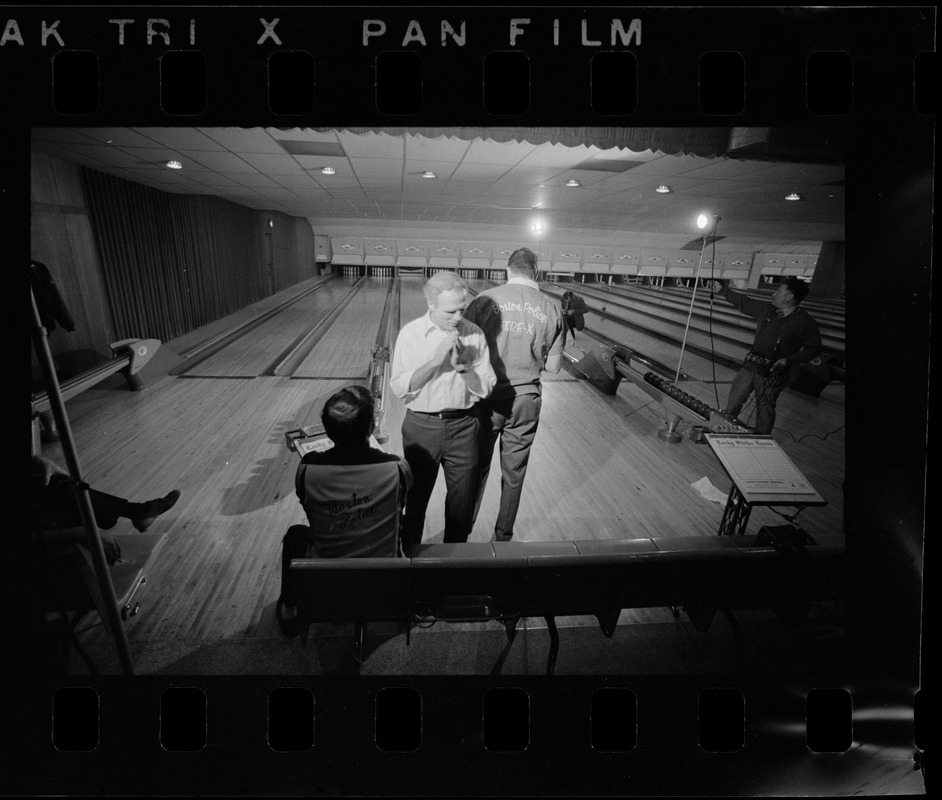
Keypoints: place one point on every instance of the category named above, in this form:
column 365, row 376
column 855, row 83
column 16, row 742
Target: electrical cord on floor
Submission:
column 814, row 435
column 791, row 518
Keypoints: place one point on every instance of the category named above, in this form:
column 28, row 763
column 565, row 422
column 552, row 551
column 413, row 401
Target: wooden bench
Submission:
column 505, row 582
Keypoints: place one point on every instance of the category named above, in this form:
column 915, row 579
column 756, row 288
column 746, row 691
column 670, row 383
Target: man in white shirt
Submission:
column 441, row 368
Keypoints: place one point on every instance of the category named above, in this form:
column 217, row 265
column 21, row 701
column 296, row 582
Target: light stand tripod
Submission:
column 693, row 296
column 93, row 538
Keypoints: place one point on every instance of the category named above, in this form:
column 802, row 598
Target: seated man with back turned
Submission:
column 352, row 494
column 786, row 337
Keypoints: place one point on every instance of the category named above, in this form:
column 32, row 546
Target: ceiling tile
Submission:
column 272, row 164
column 480, row 182
column 244, row 140
column 220, row 162
column 180, row 138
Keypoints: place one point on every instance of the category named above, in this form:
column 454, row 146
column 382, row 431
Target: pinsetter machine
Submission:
column 604, row 366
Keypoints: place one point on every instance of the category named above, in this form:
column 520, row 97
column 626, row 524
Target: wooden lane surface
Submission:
column 676, row 294
column 345, row 350
column 222, row 444
column 624, row 437
column 251, row 354
column 597, row 470
column 727, row 331
column 199, row 336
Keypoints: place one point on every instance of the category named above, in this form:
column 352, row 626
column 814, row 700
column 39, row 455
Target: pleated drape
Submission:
column 171, row 262
column 703, row 141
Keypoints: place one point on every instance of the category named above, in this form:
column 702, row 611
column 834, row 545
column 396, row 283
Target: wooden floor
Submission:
column 597, row 469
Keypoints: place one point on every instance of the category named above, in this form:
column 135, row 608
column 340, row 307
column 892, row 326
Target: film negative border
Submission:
column 359, row 58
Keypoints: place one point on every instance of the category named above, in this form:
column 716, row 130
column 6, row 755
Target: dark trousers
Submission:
column 60, row 505
column 295, row 544
column 427, row 443
column 514, row 421
column 767, row 389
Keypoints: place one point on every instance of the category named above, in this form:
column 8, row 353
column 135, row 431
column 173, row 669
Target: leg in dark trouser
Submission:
column 767, row 392
column 460, row 461
column 421, row 446
column 515, row 442
column 491, row 420
column 64, row 506
column 739, row 391
column 295, row 544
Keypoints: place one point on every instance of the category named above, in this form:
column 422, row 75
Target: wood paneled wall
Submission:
column 61, row 238
column 131, row 261
column 294, row 248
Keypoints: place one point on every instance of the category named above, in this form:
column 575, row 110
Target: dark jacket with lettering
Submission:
column 51, row 306
column 522, row 327
column 353, row 498
column 795, row 338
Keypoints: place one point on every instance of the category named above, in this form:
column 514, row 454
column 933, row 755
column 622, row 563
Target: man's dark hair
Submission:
column 523, row 260
column 348, row 415
column 798, row 288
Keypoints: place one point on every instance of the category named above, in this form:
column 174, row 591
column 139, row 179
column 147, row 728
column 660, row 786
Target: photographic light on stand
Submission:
column 703, row 222
column 537, row 227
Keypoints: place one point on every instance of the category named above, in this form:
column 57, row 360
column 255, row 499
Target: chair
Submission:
column 73, row 592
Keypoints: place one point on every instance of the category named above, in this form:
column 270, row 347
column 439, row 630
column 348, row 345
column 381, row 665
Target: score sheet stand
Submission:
column 761, row 475
column 314, row 439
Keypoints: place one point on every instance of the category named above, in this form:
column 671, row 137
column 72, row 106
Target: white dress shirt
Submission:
column 416, row 344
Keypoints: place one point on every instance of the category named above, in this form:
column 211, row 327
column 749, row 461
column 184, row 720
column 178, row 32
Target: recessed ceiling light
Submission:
column 793, row 196
column 328, row 170
column 662, row 189
column 573, row 183
column 429, row 174
column 174, row 165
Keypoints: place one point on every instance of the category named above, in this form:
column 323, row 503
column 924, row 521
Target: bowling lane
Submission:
column 250, row 355
column 411, row 299
column 597, row 470
column 346, row 348
column 222, row 443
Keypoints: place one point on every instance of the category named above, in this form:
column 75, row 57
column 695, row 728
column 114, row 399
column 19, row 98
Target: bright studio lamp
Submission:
column 703, row 222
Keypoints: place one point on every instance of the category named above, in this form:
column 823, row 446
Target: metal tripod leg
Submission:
column 554, row 644
column 511, row 627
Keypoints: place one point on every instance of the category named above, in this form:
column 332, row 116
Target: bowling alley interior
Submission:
column 212, row 286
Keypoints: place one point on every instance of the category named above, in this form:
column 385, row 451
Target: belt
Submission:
column 451, row 413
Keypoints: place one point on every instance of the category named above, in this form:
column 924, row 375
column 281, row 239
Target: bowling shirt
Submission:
column 353, row 498
column 522, row 327
column 416, row 344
